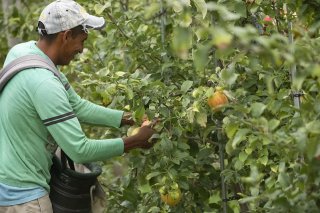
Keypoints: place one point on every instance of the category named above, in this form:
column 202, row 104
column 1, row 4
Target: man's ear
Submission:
column 66, row 35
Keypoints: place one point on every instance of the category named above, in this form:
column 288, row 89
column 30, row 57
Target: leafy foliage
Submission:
column 164, row 58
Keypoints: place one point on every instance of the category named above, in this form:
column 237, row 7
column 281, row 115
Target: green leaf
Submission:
column 98, row 8
column 229, row 148
column 201, row 33
column 224, row 13
column 152, row 174
column 240, row 136
column 200, row 57
column 241, row 9
column 209, row 92
column 175, row 160
column 214, row 198
column 298, row 82
column 282, row 167
column 313, row 127
column 183, row 146
column 316, row 71
column 154, row 209
column 166, row 143
column 254, row 177
column 229, row 76
column 257, row 109
column 221, row 37
column 201, row 7
column 273, row 124
column 152, row 10
column 231, row 129
column 172, row 173
column 181, row 155
column 312, row 147
column 190, row 114
column 201, row 119
column 185, row 102
column 145, row 188
column 186, row 86
column 249, row 199
column 204, row 154
column 185, row 20
column 284, row 179
column 238, row 165
column 266, row 140
column 243, row 156
column 248, row 150
column 120, row 74
column 234, row 206
column 264, row 160
column 181, row 42
column 207, row 131
column 177, row 6
column 254, row 191
column 274, row 168
column 129, row 93
column 139, row 113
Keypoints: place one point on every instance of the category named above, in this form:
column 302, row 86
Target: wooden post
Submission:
column 293, row 69
column 221, row 159
column 163, row 27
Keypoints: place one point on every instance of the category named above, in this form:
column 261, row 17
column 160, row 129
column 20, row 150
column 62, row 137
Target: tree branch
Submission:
column 115, row 23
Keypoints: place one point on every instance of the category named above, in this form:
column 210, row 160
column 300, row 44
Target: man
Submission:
column 39, row 113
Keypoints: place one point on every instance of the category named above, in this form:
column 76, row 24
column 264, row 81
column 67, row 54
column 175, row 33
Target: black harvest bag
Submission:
column 71, row 191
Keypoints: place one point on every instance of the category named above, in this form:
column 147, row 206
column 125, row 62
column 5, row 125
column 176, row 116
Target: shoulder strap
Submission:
column 64, row 159
column 25, row 62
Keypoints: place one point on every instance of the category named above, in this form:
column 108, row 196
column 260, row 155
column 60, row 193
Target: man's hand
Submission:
column 139, row 140
column 152, row 123
column 127, row 119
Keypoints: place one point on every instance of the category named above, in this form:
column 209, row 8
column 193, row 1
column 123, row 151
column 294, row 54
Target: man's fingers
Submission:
column 154, row 122
column 130, row 122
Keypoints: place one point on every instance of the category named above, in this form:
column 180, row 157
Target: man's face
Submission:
column 72, row 46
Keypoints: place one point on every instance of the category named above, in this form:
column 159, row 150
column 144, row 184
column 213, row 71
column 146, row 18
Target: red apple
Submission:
column 267, row 19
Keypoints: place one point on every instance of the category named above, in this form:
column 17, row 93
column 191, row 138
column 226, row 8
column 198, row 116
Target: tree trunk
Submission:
column 6, row 8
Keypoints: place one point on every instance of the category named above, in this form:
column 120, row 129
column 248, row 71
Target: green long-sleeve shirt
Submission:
column 37, row 113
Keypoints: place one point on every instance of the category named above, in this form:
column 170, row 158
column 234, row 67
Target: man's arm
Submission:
column 91, row 113
column 88, row 112
column 52, row 104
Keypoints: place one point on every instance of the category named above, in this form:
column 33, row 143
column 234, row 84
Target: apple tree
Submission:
column 256, row 152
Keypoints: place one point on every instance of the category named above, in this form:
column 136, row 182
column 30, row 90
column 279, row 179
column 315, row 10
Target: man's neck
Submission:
column 48, row 49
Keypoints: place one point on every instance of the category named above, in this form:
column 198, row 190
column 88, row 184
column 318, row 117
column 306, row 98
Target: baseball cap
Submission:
column 62, row 15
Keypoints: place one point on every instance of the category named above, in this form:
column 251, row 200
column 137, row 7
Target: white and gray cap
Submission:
column 62, row 15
